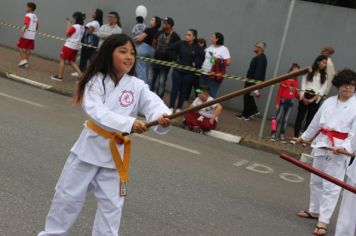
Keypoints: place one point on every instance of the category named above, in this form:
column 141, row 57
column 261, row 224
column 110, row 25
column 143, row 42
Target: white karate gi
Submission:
column 90, row 166
column 346, row 222
column 337, row 116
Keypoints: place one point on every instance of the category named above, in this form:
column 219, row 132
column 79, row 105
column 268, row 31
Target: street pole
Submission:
column 276, row 69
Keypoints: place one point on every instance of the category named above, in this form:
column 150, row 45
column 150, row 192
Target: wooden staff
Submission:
column 318, row 173
column 237, row 93
column 329, row 148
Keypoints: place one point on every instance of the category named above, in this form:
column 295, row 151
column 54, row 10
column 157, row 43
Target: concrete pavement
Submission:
column 213, row 188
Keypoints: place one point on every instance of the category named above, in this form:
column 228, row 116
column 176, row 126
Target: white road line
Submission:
column 23, row 100
column 168, row 144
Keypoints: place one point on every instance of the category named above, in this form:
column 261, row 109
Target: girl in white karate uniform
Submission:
column 111, row 97
column 334, row 126
column 346, row 222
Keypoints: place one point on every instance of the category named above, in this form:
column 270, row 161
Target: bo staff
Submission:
column 318, row 173
column 329, row 149
column 237, row 93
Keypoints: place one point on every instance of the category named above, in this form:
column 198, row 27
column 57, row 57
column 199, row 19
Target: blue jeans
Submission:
column 211, row 83
column 145, row 50
column 285, row 107
column 161, row 73
column 181, row 83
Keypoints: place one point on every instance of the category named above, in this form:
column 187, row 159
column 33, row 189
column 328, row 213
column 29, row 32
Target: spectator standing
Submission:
column 72, row 45
column 144, row 46
column 139, row 27
column 90, row 38
column 113, row 27
column 196, row 83
column 26, row 42
column 217, row 58
column 330, row 69
column 159, row 72
column 287, row 91
column 206, row 118
column 256, row 71
column 333, row 126
column 188, row 53
column 313, row 87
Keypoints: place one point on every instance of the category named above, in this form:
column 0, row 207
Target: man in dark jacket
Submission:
column 256, row 71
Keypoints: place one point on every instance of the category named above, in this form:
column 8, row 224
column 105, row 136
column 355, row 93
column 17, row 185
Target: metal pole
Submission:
column 278, row 62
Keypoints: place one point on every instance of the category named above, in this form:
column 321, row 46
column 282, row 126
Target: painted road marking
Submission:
column 176, row 146
column 263, row 169
column 22, row 100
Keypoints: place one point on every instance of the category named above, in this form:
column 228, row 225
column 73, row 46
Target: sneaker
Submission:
column 282, row 138
column 240, row 116
column 197, row 129
column 246, row 118
column 171, row 110
column 292, row 141
column 257, row 113
column 22, row 63
column 56, row 77
column 273, row 137
column 75, row 74
column 178, row 110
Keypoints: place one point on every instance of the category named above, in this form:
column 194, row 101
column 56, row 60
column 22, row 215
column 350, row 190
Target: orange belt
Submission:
column 333, row 134
column 122, row 166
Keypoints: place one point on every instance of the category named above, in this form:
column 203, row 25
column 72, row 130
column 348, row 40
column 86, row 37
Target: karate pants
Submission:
column 346, row 222
column 77, row 179
column 324, row 194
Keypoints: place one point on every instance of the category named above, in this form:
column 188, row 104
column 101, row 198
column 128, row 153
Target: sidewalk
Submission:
column 41, row 69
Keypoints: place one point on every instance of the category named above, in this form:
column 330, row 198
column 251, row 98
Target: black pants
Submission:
column 85, row 55
column 310, row 110
column 250, row 107
column 181, row 82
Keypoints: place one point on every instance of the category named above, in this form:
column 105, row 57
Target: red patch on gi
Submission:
column 126, row 98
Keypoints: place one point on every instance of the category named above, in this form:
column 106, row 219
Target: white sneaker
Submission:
column 75, row 74
column 178, row 110
column 22, row 63
column 171, row 110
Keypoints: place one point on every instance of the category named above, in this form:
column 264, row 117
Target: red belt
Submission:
column 333, row 134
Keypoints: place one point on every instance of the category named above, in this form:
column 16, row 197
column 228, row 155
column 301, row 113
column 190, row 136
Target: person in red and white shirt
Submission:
column 287, row 91
column 72, row 45
column 206, row 118
column 26, row 43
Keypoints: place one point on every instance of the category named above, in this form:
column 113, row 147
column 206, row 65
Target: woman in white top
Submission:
column 113, row 27
column 215, row 54
column 334, row 126
column 90, row 38
column 315, row 84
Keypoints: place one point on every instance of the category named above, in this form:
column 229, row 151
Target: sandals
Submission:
column 306, row 214
column 317, row 230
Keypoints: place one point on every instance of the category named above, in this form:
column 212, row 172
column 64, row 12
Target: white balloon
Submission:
column 141, row 11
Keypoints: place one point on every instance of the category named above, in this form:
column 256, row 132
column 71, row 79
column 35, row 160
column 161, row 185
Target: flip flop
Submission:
column 317, row 228
column 307, row 215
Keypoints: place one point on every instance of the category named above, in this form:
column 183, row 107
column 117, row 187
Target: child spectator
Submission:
column 72, row 45
column 205, row 119
column 139, row 27
column 287, row 91
column 90, row 38
column 26, row 42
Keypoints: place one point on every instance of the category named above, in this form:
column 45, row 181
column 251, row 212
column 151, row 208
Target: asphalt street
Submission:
column 181, row 183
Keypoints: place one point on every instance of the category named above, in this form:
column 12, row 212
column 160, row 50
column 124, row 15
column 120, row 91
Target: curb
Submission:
column 214, row 133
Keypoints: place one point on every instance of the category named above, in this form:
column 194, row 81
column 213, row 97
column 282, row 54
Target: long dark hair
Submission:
column 103, row 63
column 195, row 34
column 99, row 16
column 315, row 68
column 158, row 22
column 117, row 17
column 219, row 38
column 78, row 18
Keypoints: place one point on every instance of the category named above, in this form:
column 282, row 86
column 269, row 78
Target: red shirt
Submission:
column 287, row 90
column 70, row 31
